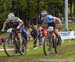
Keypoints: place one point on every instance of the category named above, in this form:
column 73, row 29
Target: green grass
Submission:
column 66, row 54
column 70, row 26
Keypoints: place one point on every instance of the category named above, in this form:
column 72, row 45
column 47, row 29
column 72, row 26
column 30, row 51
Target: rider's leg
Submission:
column 58, row 36
column 21, row 40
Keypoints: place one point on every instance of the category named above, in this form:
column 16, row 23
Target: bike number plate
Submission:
column 50, row 28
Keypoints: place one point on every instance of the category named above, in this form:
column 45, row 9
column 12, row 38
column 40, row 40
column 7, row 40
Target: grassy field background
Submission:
column 66, row 53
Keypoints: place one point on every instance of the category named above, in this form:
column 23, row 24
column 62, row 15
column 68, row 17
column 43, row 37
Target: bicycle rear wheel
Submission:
column 17, row 44
column 24, row 47
column 57, row 47
column 55, row 44
column 9, row 47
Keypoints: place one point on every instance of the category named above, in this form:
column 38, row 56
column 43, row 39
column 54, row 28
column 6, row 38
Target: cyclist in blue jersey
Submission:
column 49, row 20
column 16, row 23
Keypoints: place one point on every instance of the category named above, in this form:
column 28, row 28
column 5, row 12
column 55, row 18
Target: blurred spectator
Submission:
column 74, row 18
column 24, row 33
column 34, row 34
column 40, row 35
column 63, row 19
column 70, row 19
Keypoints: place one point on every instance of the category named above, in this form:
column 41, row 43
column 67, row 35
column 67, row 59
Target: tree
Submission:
column 74, row 6
column 70, row 3
column 26, row 9
column 55, row 7
column 4, row 9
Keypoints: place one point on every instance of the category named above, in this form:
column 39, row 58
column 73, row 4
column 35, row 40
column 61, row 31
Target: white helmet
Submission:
column 44, row 13
column 11, row 16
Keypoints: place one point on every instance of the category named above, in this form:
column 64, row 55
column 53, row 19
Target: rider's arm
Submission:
column 58, row 20
column 4, row 25
column 59, row 25
column 20, row 23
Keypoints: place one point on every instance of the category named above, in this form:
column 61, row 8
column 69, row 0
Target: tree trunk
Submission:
column 74, row 6
column 70, row 7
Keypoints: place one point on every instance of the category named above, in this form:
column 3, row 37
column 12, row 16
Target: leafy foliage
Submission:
column 26, row 9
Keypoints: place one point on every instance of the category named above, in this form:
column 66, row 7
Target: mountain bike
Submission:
column 50, row 41
column 11, row 44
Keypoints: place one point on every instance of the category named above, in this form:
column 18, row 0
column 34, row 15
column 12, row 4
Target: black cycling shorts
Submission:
column 53, row 24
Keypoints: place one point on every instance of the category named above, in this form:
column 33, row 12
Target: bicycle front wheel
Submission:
column 46, row 46
column 9, row 47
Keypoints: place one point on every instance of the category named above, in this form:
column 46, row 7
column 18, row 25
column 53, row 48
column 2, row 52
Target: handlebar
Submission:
column 10, row 30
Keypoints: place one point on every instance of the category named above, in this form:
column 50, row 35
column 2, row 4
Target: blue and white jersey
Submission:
column 48, row 19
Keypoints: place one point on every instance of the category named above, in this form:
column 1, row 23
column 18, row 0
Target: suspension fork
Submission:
column 53, row 37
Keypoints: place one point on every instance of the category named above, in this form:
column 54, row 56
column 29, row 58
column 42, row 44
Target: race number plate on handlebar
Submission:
column 50, row 28
column 9, row 30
